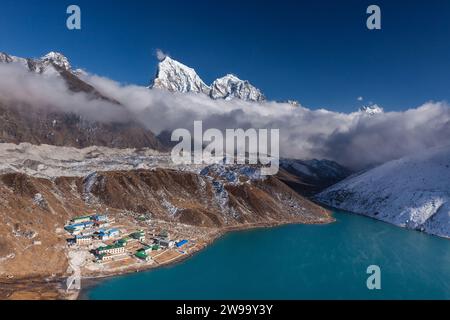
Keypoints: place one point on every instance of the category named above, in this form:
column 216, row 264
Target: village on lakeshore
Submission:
column 109, row 246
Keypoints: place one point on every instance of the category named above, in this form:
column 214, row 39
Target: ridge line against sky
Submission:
column 320, row 54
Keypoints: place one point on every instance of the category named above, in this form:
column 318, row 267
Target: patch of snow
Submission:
column 39, row 200
column 89, row 182
column 173, row 210
column 233, row 173
column 221, row 194
column 8, row 257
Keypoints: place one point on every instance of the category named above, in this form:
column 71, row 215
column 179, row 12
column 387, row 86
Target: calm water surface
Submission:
column 299, row 262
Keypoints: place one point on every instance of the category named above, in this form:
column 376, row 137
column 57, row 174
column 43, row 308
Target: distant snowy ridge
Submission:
column 412, row 192
column 371, row 110
column 47, row 64
column 6, row 58
column 315, row 168
column 231, row 87
column 174, row 76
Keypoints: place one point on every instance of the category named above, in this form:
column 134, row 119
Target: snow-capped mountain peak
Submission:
column 371, row 110
column 230, row 87
column 177, row 77
column 56, row 58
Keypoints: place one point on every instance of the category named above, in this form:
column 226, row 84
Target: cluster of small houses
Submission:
column 85, row 229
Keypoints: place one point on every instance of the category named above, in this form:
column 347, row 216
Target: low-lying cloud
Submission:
column 355, row 140
column 19, row 86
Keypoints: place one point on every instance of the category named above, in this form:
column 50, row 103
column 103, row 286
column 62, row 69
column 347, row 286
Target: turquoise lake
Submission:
column 299, row 262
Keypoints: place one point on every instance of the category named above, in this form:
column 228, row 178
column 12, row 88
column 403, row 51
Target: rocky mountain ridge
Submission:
column 177, row 77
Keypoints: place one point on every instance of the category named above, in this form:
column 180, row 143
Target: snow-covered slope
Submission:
column 231, row 87
column 176, row 77
column 412, row 192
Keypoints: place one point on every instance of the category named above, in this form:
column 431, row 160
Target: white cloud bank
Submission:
column 356, row 140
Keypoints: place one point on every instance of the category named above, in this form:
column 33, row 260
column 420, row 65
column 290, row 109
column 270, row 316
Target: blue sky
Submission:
column 318, row 52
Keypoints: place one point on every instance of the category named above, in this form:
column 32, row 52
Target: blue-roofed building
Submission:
column 114, row 232
column 102, row 235
column 181, row 243
column 77, row 227
column 108, row 234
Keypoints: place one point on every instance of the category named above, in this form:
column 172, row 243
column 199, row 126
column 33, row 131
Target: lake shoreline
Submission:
column 305, row 262
column 91, row 281
column 328, row 207
column 54, row 288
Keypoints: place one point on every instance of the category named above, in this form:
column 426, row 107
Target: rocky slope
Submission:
column 56, row 64
column 411, row 192
column 33, row 210
column 309, row 177
column 22, row 123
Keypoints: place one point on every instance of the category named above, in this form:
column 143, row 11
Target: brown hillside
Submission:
column 32, row 242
